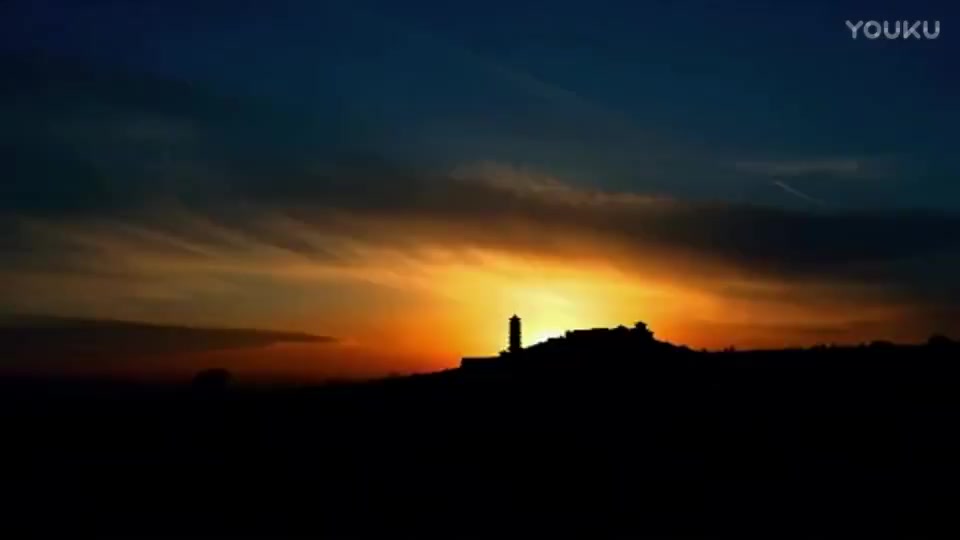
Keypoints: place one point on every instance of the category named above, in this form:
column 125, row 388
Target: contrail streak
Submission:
column 797, row 193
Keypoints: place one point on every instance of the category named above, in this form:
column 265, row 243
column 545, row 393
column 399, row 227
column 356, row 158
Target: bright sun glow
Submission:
column 550, row 298
column 541, row 336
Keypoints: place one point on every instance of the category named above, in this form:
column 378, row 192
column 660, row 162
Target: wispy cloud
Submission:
column 792, row 168
column 797, row 193
column 43, row 340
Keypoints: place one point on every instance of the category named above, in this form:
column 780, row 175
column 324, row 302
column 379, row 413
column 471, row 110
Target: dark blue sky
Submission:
column 667, row 97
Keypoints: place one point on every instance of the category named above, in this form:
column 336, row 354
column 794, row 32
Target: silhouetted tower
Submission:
column 515, row 345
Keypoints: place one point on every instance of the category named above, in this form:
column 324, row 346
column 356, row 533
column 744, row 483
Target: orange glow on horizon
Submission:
column 423, row 307
column 550, row 298
column 462, row 303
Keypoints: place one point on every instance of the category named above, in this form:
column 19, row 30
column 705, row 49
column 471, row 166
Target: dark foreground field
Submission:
column 666, row 443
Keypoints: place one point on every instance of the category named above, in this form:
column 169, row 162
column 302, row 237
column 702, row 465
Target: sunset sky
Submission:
column 396, row 179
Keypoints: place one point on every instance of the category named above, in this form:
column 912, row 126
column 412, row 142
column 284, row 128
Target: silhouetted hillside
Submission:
column 600, row 433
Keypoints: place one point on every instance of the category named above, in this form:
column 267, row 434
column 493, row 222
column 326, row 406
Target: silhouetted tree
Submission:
column 641, row 330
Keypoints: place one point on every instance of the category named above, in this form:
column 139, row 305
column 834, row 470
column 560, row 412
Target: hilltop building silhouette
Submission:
column 607, row 340
column 514, row 346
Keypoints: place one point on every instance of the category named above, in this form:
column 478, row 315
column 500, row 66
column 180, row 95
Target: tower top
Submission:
column 515, row 344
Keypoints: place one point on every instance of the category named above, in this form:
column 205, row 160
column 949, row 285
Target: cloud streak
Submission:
column 98, row 345
column 791, row 168
column 325, row 233
column 797, row 193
